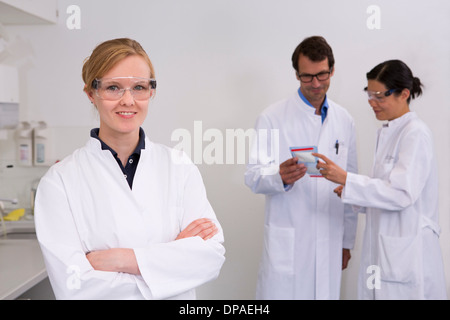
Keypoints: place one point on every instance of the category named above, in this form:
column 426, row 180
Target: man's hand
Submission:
column 291, row 171
column 345, row 258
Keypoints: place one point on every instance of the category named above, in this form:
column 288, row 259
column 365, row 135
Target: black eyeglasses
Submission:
column 321, row 76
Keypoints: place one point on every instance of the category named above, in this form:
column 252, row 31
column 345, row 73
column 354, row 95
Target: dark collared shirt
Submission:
column 130, row 168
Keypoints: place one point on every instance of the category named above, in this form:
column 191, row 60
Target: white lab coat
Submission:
column 306, row 226
column 84, row 204
column 401, row 247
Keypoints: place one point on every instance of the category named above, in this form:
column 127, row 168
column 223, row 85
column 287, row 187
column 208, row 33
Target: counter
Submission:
column 21, row 267
column 21, row 262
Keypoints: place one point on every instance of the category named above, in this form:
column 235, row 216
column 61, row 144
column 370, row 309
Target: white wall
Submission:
column 222, row 63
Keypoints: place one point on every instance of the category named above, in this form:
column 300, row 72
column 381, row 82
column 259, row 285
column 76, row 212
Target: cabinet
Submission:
column 9, row 84
column 28, row 11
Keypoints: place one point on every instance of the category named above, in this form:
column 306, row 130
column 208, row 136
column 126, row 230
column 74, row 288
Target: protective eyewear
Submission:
column 379, row 96
column 321, row 76
column 113, row 89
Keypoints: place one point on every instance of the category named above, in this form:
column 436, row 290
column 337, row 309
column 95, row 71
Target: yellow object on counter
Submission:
column 14, row 215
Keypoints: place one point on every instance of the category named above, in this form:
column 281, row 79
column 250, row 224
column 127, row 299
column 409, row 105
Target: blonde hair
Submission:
column 107, row 54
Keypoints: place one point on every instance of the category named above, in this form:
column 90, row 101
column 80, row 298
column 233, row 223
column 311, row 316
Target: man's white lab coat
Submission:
column 401, row 256
column 84, row 204
column 306, row 225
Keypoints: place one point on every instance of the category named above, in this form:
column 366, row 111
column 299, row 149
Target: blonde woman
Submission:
column 123, row 217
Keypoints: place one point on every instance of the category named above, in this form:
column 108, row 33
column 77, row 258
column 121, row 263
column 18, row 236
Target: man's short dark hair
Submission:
column 316, row 49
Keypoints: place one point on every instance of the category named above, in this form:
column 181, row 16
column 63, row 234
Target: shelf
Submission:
column 28, row 12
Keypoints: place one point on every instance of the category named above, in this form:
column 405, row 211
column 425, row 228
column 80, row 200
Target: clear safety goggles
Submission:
column 379, row 96
column 113, row 89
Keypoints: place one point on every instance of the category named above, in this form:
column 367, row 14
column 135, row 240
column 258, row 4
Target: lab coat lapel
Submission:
column 155, row 192
column 115, row 205
column 141, row 176
column 323, row 231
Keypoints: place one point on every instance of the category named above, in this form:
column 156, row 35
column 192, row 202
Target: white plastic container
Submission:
column 25, row 144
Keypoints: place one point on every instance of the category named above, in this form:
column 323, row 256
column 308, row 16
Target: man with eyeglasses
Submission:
column 308, row 232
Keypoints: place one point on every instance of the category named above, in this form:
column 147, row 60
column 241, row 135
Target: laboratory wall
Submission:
column 219, row 64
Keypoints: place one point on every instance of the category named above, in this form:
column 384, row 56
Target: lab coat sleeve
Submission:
column 70, row 273
column 406, row 176
column 350, row 215
column 262, row 174
column 172, row 268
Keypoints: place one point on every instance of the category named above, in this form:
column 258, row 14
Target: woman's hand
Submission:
column 203, row 227
column 124, row 259
column 330, row 170
column 114, row 260
column 338, row 191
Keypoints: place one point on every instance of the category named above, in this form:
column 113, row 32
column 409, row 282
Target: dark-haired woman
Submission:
column 401, row 255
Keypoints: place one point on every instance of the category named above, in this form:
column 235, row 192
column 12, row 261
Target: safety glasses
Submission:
column 379, row 96
column 113, row 89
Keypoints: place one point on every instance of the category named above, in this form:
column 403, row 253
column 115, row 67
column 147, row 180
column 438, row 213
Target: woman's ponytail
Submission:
column 416, row 89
